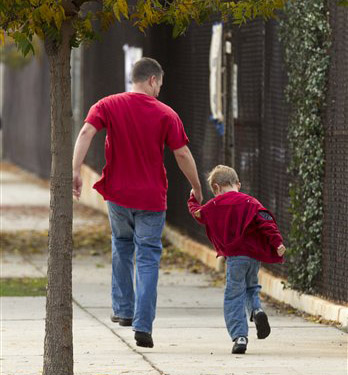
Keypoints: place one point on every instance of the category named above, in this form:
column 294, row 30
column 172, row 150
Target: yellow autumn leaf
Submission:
column 58, row 19
column 46, row 13
column 116, row 10
column 123, row 7
column 88, row 24
column 35, row 3
column 2, row 37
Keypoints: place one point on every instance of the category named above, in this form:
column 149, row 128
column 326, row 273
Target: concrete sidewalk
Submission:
column 189, row 333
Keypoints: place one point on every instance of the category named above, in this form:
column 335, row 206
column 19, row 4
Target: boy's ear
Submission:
column 239, row 186
column 215, row 187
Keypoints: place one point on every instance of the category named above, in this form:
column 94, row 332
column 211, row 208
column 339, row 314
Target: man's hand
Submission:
column 198, row 195
column 77, row 184
column 281, row 250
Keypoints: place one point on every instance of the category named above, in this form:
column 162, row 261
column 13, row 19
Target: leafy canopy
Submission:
column 22, row 19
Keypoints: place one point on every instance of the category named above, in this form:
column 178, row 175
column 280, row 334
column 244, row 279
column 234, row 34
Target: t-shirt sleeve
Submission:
column 176, row 136
column 96, row 116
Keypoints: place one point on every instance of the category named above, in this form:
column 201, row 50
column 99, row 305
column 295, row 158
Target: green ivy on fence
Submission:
column 305, row 34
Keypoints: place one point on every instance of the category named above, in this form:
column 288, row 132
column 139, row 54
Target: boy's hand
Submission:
column 281, row 250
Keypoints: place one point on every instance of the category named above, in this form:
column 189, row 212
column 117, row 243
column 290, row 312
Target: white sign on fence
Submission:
column 131, row 56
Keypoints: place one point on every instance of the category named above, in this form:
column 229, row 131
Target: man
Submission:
column 134, row 184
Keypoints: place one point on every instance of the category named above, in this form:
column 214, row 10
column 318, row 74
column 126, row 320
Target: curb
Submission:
column 89, row 196
column 271, row 286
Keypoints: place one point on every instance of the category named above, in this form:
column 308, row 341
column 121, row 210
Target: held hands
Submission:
column 198, row 194
column 77, row 185
column 281, row 250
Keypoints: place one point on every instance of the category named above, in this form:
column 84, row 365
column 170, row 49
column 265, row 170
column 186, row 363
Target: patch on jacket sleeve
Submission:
column 265, row 215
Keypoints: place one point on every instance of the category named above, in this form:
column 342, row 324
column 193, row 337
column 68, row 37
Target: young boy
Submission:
column 245, row 233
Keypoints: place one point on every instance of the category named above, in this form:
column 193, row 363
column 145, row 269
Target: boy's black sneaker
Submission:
column 143, row 339
column 240, row 345
column 261, row 321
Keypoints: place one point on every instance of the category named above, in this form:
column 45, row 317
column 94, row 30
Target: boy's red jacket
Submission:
column 238, row 224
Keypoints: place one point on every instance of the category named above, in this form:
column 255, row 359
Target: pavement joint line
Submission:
column 22, row 320
column 161, row 308
column 27, row 259
column 120, row 338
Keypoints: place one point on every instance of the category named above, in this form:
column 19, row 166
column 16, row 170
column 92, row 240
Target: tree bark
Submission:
column 58, row 348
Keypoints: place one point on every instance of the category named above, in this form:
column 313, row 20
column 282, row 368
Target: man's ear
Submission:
column 239, row 186
column 152, row 80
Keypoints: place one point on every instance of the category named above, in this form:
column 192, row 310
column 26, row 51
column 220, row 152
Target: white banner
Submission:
column 215, row 61
column 131, row 56
column 235, row 91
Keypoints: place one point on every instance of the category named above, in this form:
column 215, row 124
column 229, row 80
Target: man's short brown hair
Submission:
column 145, row 68
column 223, row 176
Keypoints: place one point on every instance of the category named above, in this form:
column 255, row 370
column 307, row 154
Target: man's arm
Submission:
column 82, row 144
column 187, row 165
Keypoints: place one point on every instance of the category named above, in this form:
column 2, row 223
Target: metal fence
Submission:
column 26, row 116
column 334, row 280
column 186, row 89
column 274, row 154
column 260, row 134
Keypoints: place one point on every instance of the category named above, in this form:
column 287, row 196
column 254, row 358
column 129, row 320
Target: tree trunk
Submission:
column 58, row 350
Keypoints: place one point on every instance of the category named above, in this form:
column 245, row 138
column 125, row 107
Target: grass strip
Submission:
column 23, row 287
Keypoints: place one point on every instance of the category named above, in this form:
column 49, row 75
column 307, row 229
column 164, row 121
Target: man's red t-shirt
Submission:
column 138, row 126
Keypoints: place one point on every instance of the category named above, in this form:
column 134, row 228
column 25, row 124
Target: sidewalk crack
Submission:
column 145, row 358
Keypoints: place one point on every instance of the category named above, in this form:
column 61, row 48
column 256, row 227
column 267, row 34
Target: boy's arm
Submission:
column 195, row 208
column 269, row 229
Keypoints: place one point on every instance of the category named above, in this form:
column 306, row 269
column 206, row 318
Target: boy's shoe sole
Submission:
column 262, row 326
column 239, row 349
column 143, row 339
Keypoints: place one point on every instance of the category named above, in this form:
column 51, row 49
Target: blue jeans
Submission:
column 241, row 293
column 135, row 232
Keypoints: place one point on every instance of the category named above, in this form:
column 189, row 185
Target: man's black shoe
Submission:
column 143, row 339
column 121, row 321
column 114, row 318
column 262, row 326
column 125, row 322
column 240, row 345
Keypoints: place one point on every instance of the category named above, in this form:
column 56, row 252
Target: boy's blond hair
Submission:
column 222, row 175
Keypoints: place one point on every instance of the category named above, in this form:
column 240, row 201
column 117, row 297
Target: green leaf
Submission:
column 23, row 43
column 178, row 29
